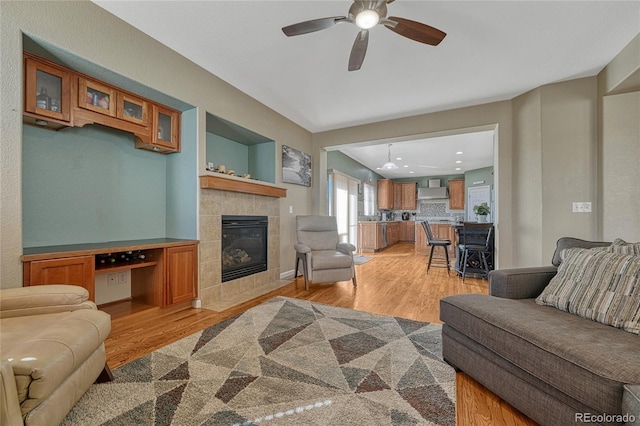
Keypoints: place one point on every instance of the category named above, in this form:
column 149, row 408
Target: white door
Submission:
column 477, row 195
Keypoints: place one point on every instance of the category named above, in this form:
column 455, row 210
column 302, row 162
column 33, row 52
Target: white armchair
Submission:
column 324, row 258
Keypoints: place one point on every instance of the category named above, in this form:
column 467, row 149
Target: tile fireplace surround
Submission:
column 214, row 203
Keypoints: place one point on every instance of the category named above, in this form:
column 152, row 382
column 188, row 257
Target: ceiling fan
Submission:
column 366, row 15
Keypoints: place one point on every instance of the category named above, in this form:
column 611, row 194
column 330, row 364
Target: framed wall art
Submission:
column 296, row 166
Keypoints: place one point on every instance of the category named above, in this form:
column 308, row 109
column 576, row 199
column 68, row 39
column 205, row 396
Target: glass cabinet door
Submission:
column 47, row 90
column 132, row 109
column 96, row 97
column 165, row 132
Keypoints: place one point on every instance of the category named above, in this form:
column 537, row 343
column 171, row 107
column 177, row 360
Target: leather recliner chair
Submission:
column 51, row 351
column 324, row 258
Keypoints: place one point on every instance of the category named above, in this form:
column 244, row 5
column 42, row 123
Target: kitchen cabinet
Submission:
column 182, row 273
column 407, row 231
column 397, row 195
column 393, row 233
column 408, row 196
column 456, row 194
column 47, row 94
column 76, row 270
column 369, row 236
column 385, row 194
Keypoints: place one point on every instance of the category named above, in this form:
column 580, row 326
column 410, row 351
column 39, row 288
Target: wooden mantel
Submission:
column 236, row 184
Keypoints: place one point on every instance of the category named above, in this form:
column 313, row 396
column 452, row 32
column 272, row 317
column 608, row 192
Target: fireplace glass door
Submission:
column 244, row 246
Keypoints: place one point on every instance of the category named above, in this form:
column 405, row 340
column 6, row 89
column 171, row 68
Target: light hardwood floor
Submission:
column 395, row 283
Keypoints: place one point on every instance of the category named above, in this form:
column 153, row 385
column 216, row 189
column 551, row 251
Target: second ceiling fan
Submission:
column 366, row 15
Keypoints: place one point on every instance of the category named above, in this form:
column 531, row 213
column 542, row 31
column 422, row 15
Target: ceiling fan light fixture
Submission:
column 367, row 19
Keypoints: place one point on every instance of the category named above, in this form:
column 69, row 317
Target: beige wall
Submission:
column 620, row 167
column 527, row 195
column 619, row 145
column 98, row 37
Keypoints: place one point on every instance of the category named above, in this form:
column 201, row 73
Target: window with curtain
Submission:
column 343, row 204
column 369, row 194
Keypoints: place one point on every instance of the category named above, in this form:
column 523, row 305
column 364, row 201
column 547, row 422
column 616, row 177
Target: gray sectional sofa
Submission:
column 555, row 367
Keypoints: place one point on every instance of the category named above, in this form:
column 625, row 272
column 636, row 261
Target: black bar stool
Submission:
column 436, row 242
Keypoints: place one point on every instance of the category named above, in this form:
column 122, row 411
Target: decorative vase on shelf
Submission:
column 482, row 218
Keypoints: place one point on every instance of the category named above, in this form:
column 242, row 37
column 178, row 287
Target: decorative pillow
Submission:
column 597, row 285
column 620, row 246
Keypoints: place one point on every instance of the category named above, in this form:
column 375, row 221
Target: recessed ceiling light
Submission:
column 405, row 165
column 398, row 158
column 459, row 153
column 458, row 162
column 411, row 171
column 458, row 168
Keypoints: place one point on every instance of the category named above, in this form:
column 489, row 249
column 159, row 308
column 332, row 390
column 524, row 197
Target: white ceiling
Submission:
column 436, row 156
column 494, row 50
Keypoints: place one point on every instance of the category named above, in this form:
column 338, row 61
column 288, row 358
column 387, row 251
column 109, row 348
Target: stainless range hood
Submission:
column 433, row 192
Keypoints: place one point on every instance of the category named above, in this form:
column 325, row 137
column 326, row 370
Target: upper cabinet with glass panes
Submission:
column 47, row 93
column 57, row 97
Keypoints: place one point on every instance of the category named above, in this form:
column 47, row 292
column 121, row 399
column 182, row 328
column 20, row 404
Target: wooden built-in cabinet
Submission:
column 456, row 194
column 96, row 97
column 47, row 94
column 182, row 273
column 57, row 97
column 76, row 270
column 163, row 271
column 165, row 135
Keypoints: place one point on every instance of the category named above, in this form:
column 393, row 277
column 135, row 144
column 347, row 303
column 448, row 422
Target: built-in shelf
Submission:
column 236, row 184
column 123, row 267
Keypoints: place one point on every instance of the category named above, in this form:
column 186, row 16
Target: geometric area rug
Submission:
column 284, row 362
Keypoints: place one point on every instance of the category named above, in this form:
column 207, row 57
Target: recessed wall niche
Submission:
column 239, row 149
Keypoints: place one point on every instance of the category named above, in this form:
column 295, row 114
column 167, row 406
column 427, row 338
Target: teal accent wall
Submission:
column 347, row 165
column 234, row 155
column 182, row 182
column 262, row 161
column 259, row 160
column 485, row 174
column 89, row 184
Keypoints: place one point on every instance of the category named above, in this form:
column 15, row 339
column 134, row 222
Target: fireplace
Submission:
column 244, row 246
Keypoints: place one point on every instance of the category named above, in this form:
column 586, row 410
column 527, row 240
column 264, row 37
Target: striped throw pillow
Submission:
column 620, row 246
column 597, row 285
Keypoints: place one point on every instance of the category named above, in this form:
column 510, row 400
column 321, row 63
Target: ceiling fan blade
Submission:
column 312, row 26
column 415, row 30
column 358, row 50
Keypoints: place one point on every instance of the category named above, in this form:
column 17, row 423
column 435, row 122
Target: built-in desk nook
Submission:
column 164, row 271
